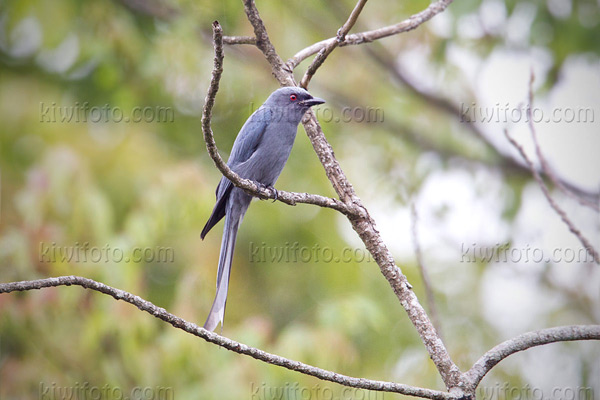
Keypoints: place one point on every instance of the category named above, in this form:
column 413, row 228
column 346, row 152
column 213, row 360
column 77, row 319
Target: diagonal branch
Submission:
column 363, row 224
column 544, row 164
column 385, row 59
column 264, row 44
column 224, row 342
column 549, row 172
column 324, row 52
column 526, row 341
column 563, row 215
column 368, row 36
column 249, row 186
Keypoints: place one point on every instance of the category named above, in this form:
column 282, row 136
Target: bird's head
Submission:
column 294, row 99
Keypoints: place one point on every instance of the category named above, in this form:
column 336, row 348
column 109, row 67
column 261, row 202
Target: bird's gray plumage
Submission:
column 259, row 153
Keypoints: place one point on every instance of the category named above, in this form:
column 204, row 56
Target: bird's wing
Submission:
column 249, row 137
column 244, row 146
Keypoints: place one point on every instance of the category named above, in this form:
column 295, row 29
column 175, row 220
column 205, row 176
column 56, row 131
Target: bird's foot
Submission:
column 276, row 193
column 270, row 188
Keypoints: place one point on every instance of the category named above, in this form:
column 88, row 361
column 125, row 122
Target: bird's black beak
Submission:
column 313, row 101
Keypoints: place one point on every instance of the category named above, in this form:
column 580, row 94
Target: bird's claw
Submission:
column 270, row 188
column 276, row 193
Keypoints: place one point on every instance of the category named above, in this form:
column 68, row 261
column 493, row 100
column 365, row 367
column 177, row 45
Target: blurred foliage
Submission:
column 151, row 185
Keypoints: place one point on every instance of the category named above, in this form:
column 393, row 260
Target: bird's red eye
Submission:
column 293, row 97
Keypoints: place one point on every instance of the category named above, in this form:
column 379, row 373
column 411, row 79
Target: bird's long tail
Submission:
column 217, row 311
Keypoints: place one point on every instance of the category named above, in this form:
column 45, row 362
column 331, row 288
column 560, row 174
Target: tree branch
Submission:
column 231, row 40
column 264, row 44
column 368, row 36
column 364, row 225
column 249, row 186
column 544, row 164
column 324, row 52
column 385, row 59
column 563, row 215
column 526, row 341
column 224, row 342
column 536, row 175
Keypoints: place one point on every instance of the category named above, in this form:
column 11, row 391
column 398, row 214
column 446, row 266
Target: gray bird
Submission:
column 259, row 153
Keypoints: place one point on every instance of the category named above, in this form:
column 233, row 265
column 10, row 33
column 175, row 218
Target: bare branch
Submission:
column 364, row 225
column 553, row 204
column 364, row 37
column 527, row 341
column 424, row 275
column 264, row 44
column 544, row 164
column 403, row 131
column 231, row 40
column 385, row 59
column 249, row 186
column 536, row 175
column 224, row 342
column 341, row 35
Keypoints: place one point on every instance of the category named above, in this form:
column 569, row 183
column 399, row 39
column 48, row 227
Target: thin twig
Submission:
column 526, row 341
column 249, row 186
column 536, row 175
column 544, row 163
column 364, row 37
column 364, row 225
column 424, row 274
column 232, row 40
column 385, row 59
column 222, row 341
column 340, row 37
column 404, row 132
